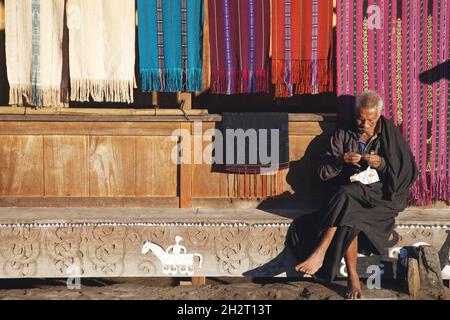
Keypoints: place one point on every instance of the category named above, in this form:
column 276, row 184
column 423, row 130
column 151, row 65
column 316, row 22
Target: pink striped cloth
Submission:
column 401, row 50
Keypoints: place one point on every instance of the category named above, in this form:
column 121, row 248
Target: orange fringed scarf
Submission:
column 302, row 33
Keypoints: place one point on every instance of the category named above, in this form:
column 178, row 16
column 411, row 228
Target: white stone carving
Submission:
column 175, row 260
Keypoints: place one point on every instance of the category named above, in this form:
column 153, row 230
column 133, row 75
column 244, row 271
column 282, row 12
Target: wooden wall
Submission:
column 78, row 161
column 87, row 159
column 101, row 163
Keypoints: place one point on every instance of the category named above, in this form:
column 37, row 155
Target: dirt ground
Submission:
column 215, row 289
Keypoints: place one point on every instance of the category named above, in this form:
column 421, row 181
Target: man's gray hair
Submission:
column 369, row 99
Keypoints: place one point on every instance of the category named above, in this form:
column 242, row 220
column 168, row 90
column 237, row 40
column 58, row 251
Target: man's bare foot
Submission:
column 312, row 264
column 354, row 291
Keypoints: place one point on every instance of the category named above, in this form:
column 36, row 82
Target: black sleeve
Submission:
column 331, row 162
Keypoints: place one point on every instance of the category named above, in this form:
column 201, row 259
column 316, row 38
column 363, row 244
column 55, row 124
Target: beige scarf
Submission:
column 34, row 57
column 102, row 49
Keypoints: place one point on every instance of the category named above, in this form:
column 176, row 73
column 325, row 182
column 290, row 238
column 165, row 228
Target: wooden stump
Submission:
column 413, row 277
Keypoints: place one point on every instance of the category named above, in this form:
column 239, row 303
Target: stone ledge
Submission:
column 40, row 216
column 50, row 242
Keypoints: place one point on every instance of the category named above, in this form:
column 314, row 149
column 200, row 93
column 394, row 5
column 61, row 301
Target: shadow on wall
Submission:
column 308, row 190
column 436, row 74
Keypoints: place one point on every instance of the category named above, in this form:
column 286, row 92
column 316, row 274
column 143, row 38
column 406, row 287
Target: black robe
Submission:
column 366, row 211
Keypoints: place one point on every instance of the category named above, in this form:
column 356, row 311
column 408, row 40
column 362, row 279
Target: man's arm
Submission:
column 332, row 161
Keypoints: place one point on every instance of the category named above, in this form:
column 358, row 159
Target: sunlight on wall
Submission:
column 2, row 15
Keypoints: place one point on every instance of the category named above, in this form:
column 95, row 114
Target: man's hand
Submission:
column 352, row 158
column 373, row 160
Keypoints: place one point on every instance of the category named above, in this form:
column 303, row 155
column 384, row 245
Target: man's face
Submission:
column 367, row 120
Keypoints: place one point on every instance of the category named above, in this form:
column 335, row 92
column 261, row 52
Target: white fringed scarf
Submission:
column 102, row 49
column 34, row 56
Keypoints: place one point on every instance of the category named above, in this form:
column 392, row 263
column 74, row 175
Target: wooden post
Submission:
column 2, row 15
column 186, row 168
column 185, row 177
column 155, row 103
column 198, row 281
column 187, row 97
column 195, row 281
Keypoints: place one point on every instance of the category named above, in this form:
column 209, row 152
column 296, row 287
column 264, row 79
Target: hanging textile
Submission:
column 401, row 50
column 302, row 46
column 102, row 49
column 239, row 41
column 34, row 56
column 170, row 45
column 256, row 152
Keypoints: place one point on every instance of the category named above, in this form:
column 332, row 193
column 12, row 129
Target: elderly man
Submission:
column 360, row 215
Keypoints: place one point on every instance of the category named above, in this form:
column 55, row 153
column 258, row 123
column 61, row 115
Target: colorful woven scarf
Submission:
column 170, row 45
column 34, row 55
column 401, row 49
column 302, row 38
column 239, row 41
column 102, row 49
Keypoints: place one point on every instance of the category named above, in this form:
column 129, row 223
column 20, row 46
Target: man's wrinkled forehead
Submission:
column 367, row 113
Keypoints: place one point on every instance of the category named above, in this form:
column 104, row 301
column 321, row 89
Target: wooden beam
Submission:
column 185, row 176
column 35, row 128
column 150, row 111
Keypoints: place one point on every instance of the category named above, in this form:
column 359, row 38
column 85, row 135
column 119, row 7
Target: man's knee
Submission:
column 349, row 190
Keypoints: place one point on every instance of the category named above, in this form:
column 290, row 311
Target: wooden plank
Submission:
column 21, row 166
column 66, row 166
column 298, row 146
column 156, row 172
column 88, row 128
column 157, row 117
column 90, row 202
column 311, row 128
column 185, row 177
column 206, row 183
column 112, row 166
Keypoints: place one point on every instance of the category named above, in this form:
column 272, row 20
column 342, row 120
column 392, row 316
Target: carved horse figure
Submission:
column 173, row 264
